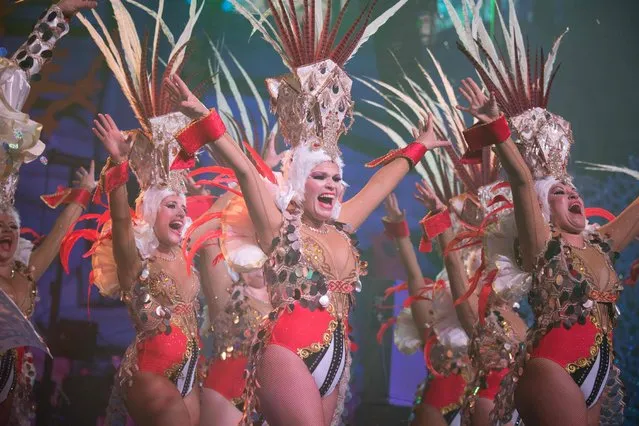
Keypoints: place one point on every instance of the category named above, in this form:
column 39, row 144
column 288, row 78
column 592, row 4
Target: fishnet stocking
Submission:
column 288, row 394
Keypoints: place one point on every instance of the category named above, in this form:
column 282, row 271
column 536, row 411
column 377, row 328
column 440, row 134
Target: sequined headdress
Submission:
column 521, row 87
column 313, row 103
column 154, row 155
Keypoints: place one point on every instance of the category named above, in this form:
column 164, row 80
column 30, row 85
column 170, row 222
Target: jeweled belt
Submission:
column 603, row 296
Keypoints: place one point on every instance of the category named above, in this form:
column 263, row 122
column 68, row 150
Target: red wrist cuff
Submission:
column 413, row 152
column 396, row 229
column 115, row 177
column 433, row 225
column 199, row 132
column 483, row 135
column 79, row 196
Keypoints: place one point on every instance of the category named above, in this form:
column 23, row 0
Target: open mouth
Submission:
column 176, row 225
column 5, row 243
column 326, row 200
column 575, row 208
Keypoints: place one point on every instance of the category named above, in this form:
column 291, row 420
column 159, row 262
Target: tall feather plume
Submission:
column 333, row 34
column 509, row 75
column 295, row 35
column 323, row 40
column 356, row 38
column 349, row 36
column 128, row 58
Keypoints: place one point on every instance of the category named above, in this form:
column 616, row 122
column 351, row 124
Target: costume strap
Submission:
column 413, row 152
column 37, row 50
column 396, row 229
column 484, row 135
column 80, row 196
column 433, row 224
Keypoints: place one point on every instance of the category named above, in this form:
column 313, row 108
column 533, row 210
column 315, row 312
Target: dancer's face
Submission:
column 566, row 208
column 321, row 191
column 170, row 220
column 9, row 234
column 254, row 278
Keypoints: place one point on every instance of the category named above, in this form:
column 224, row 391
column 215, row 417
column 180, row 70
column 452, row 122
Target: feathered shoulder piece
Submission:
column 520, row 84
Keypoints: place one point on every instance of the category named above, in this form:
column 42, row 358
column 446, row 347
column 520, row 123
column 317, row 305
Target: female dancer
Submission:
column 20, row 267
column 475, row 200
column 434, row 322
column 568, row 354
column 138, row 257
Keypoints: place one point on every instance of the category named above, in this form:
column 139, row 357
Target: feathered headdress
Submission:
column 314, row 100
column 521, row 87
column 155, row 150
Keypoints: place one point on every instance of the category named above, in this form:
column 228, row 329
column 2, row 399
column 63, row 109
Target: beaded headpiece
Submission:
column 155, row 150
column 313, row 101
column 543, row 138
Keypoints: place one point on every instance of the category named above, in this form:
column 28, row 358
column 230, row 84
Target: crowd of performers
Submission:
column 274, row 250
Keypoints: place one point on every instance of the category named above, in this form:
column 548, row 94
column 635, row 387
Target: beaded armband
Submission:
column 38, row 49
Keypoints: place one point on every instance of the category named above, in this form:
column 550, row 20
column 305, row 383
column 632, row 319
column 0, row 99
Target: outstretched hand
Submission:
column 70, row 7
column 115, row 142
column 393, row 213
column 85, row 179
column 186, row 101
column 425, row 133
column 427, row 197
column 480, row 106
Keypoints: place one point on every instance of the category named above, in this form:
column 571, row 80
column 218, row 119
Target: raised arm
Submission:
column 455, row 269
column 113, row 181
column 77, row 199
column 356, row 210
column 533, row 232
column 261, row 204
column 624, row 228
column 396, row 227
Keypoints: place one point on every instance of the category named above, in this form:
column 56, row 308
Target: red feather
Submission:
column 482, row 303
column 331, row 38
column 69, row 241
column 395, row 289
column 190, row 255
column 262, row 168
column 321, row 46
column 206, row 217
column 427, row 348
column 383, row 328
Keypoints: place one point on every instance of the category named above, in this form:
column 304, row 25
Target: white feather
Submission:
column 186, row 33
column 129, row 40
column 376, row 24
column 610, row 168
column 550, row 61
column 165, row 28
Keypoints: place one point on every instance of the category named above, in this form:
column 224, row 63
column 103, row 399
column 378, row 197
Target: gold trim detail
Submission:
column 316, row 347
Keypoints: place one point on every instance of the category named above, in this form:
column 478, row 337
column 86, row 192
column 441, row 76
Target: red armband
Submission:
column 433, row 225
column 114, row 176
column 482, row 135
column 79, row 196
column 396, row 229
column 198, row 133
column 413, row 152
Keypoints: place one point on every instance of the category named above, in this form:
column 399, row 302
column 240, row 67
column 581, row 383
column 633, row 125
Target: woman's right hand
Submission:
column 393, row 212
column 115, row 142
column 480, row 106
column 427, row 197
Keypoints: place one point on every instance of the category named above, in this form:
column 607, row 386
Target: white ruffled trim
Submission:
column 405, row 334
column 23, row 251
column 446, row 325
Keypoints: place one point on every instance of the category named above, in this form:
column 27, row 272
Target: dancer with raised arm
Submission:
column 137, row 256
column 566, row 364
column 313, row 268
column 21, row 266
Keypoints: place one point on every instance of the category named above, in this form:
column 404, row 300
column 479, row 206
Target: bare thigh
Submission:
column 547, row 395
column 192, row 403
column 153, row 400
column 593, row 414
column 288, row 394
column 216, row 410
column 427, row 415
column 329, row 403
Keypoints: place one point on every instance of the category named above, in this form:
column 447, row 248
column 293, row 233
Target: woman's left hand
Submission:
column 427, row 197
column 187, row 103
column 393, row 213
column 86, row 179
column 425, row 133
